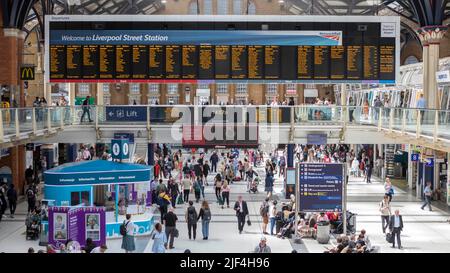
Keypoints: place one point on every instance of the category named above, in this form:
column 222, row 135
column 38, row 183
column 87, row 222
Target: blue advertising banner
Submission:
column 126, row 113
column 321, row 187
column 195, row 37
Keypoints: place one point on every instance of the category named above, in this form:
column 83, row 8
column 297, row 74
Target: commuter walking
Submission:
column 427, row 192
column 241, row 212
column 128, row 235
column 205, row 215
column 369, row 168
column 351, row 108
column 3, row 204
column 396, row 227
column 187, row 184
column 385, row 210
column 226, row 194
column 218, row 186
column 191, row 220
column 29, row 175
column 170, row 223
column 206, row 171
column 388, row 189
column 12, row 200
column 421, row 104
column 264, row 212
column 214, row 160
column 272, row 215
column 174, row 191
column 269, row 184
column 31, row 198
column 197, row 188
column 159, row 239
column 86, row 109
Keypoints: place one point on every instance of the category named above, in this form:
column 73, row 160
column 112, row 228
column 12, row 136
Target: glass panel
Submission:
column 222, row 7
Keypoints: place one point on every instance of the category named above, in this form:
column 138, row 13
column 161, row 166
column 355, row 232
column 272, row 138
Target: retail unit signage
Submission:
column 27, row 73
column 129, row 136
column 321, row 187
column 126, row 113
column 429, row 162
column 415, row 157
column 443, row 76
column 317, row 139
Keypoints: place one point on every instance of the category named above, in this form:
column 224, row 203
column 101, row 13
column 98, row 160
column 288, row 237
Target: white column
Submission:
column 71, row 89
column 100, row 101
column 433, row 67
column 410, row 167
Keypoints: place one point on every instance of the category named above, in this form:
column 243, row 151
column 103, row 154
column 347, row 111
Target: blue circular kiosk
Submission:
column 122, row 188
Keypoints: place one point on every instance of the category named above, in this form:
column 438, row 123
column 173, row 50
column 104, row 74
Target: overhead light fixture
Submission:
column 163, row 1
column 280, row 1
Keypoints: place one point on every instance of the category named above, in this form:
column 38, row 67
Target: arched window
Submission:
column 251, row 8
column 237, row 7
column 222, row 7
column 193, row 9
column 411, row 60
column 207, row 7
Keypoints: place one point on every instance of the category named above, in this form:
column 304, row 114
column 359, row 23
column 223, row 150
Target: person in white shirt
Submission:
column 99, row 249
column 128, row 240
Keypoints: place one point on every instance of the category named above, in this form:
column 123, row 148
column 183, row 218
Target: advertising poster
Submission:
column 57, row 225
column 60, row 226
column 93, row 226
column 73, row 224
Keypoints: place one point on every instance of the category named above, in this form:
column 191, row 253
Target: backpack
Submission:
column 30, row 193
column 206, row 214
column 123, row 228
column 191, row 215
column 264, row 210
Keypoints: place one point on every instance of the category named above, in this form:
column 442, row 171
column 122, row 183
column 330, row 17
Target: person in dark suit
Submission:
column 241, row 212
column 396, row 227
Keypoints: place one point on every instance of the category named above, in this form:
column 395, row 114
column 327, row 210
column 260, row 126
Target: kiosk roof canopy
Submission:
column 95, row 172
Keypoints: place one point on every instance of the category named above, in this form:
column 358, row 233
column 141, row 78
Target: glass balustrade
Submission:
column 400, row 119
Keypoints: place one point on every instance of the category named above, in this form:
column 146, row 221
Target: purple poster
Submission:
column 58, row 225
column 77, row 224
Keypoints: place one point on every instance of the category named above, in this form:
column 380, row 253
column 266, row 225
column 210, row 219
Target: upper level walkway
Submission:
column 239, row 124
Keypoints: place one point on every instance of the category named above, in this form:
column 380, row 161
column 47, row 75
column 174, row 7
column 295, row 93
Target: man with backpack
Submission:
column 31, row 198
column 170, row 220
column 264, row 212
column 191, row 218
column 214, row 160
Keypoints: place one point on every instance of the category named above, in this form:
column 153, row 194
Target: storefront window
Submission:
column 222, row 7
column 83, row 90
column 193, row 9
column 237, row 7
column 135, row 88
column 207, row 7
column 106, row 89
column 241, row 88
column 222, row 88
column 251, row 8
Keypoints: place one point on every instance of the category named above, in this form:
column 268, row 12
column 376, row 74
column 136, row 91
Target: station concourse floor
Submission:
column 424, row 231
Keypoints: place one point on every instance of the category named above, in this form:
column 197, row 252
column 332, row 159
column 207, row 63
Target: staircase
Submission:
column 140, row 151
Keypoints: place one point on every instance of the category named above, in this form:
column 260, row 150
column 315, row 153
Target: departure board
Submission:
column 305, row 59
column 173, row 62
column 239, row 62
column 222, row 62
column 58, row 62
column 387, row 62
column 337, row 63
column 189, row 62
column 73, row 63
column 256, row 62
column 354, row 62
column 90, row 62
column 107, row 57
column 156, row 62
column 371, row 63
column 206, row 62
column 272, row 62
column 140, row 61
column 321, row 62
column 123, row 62
column 198, row 50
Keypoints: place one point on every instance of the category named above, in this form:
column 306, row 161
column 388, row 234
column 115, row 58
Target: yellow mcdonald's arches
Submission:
column 27, row 73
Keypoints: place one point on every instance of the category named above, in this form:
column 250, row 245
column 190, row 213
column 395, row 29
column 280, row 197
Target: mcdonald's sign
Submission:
column 27, row 73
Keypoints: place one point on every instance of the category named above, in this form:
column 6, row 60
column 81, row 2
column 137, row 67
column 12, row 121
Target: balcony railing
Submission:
column 15, row 122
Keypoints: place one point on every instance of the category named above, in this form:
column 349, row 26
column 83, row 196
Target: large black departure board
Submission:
column 296, row 51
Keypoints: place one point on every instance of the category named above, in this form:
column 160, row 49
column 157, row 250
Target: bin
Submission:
column 323, row 232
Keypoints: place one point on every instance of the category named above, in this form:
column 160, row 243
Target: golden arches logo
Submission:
column 27, row 73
